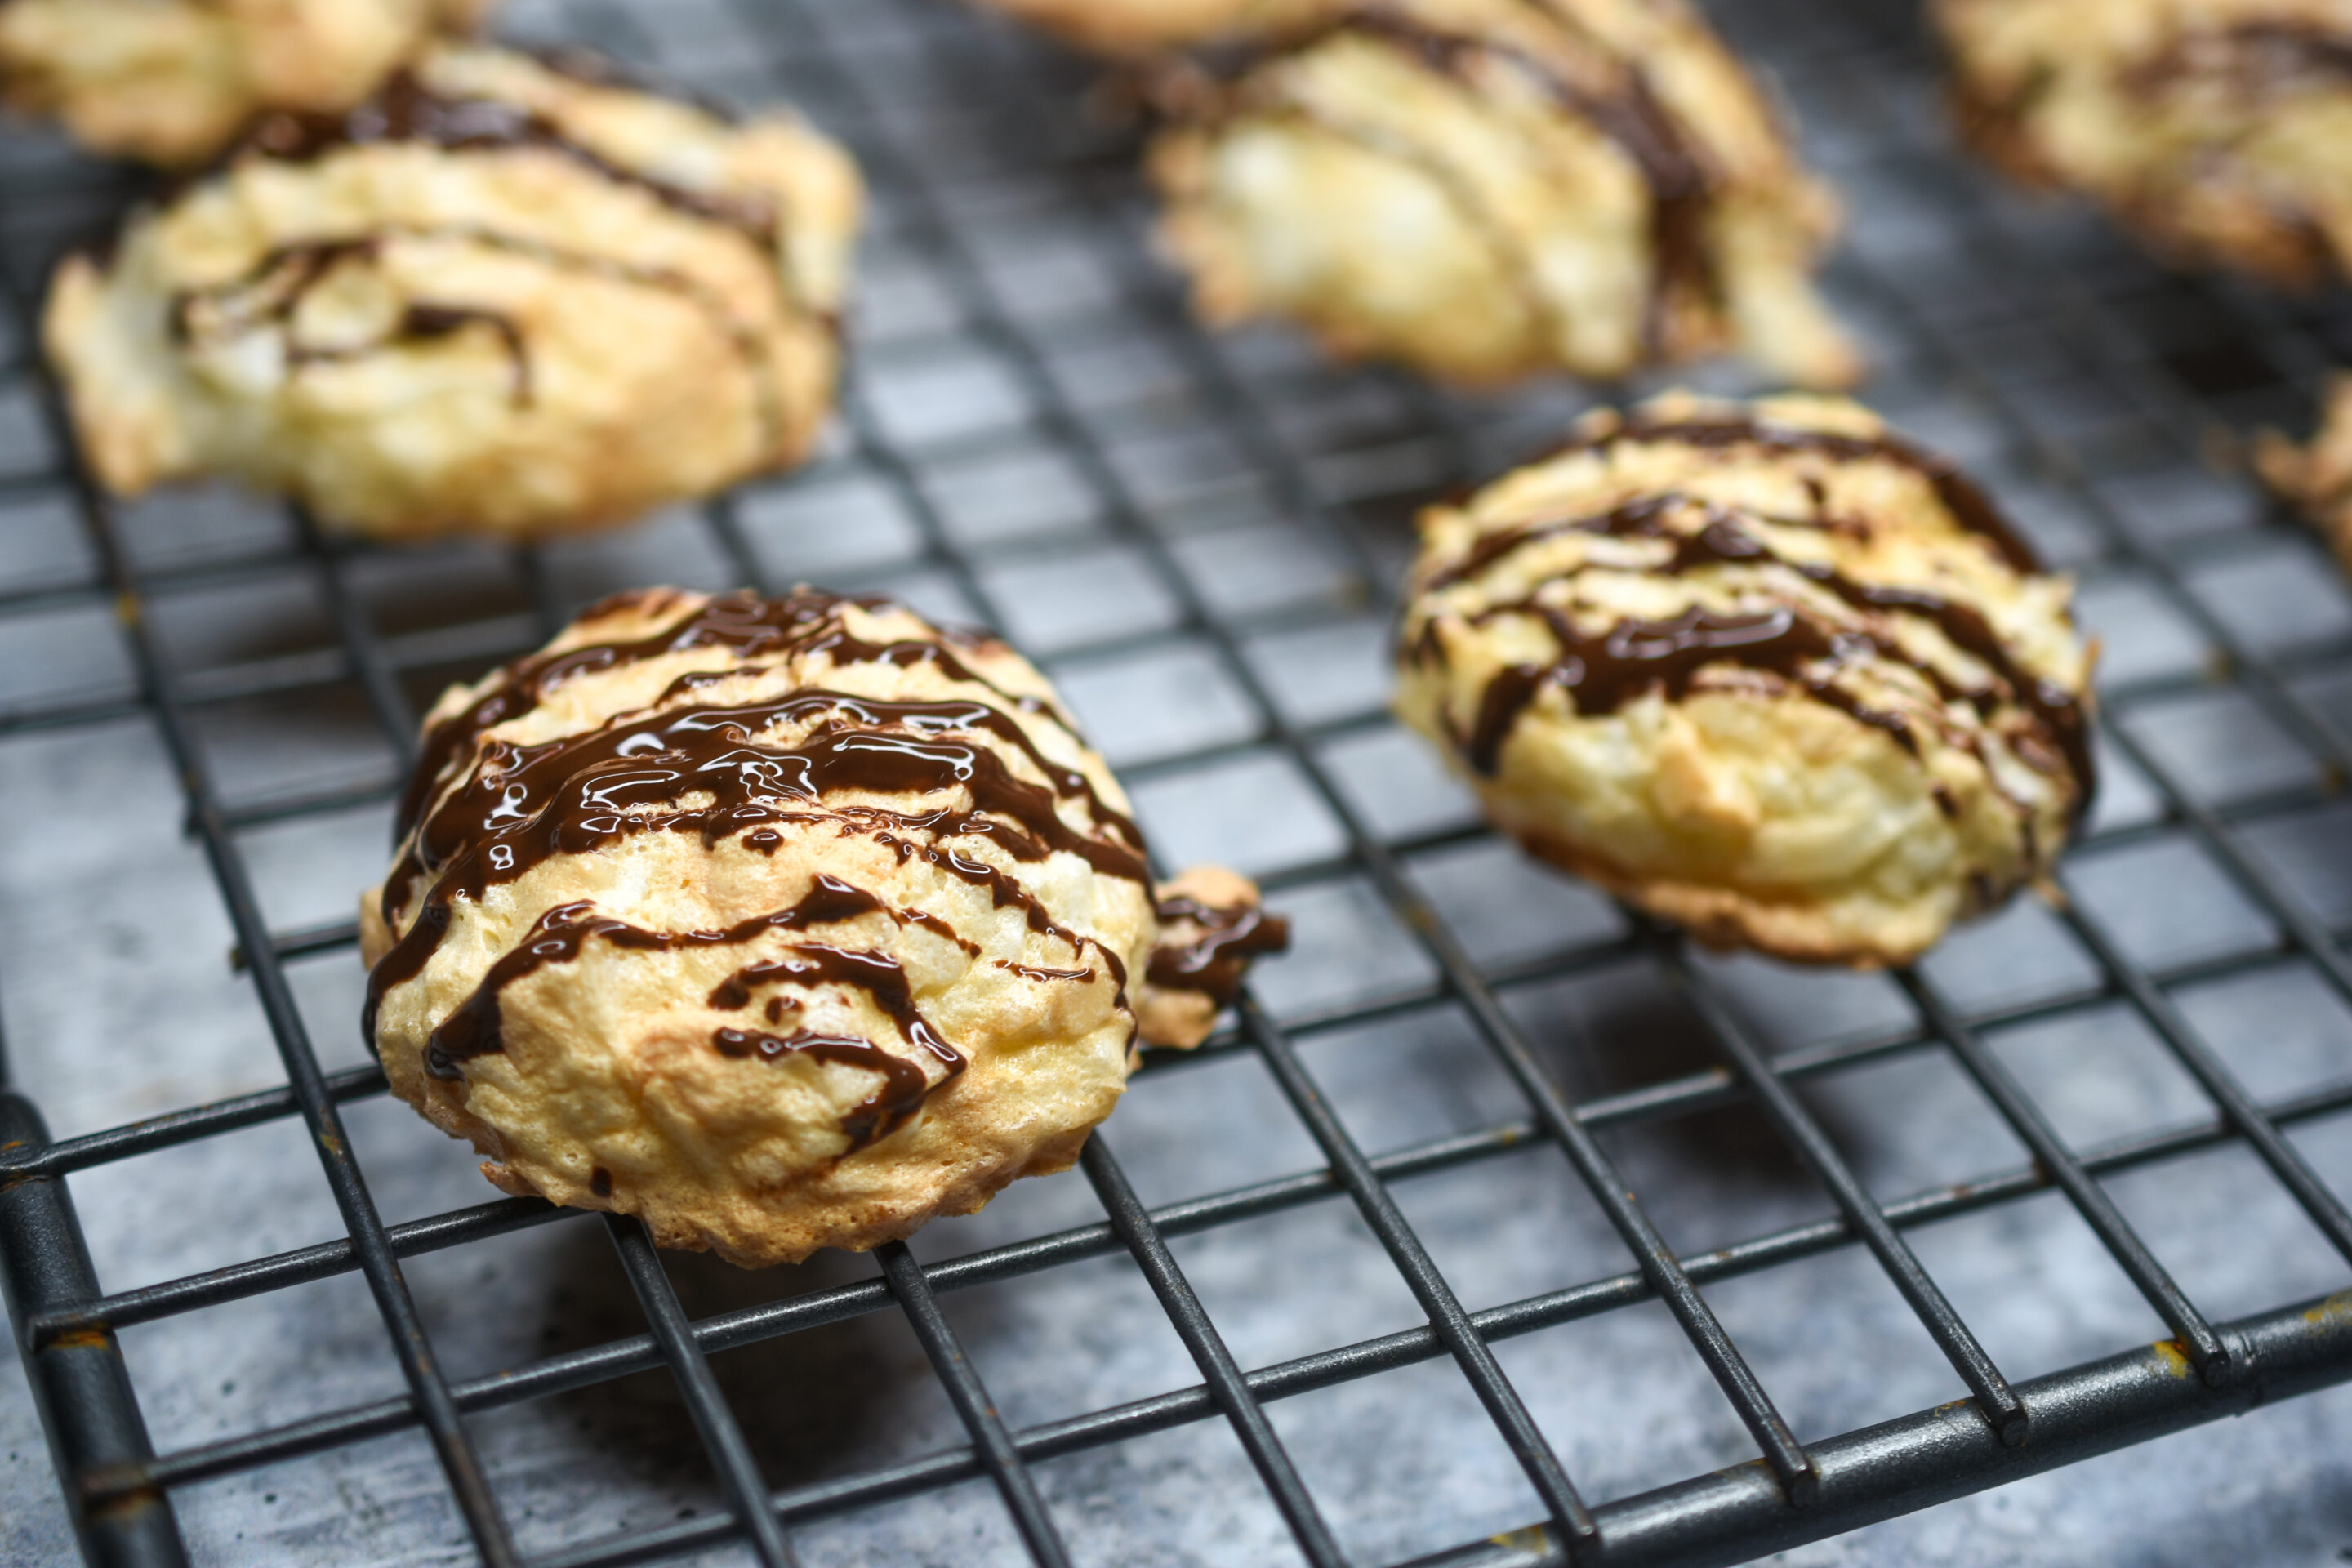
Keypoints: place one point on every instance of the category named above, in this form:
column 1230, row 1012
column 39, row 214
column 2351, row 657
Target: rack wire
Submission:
column 2092, row 367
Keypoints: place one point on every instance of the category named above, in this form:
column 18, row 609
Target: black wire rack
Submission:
column 2106, row 381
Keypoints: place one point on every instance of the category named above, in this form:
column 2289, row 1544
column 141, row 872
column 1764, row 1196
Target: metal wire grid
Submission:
column 872, row 74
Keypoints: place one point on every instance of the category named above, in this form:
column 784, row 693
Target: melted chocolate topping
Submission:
column 1214, row 962
column 1628, row 113
column 520, row 805
column 801, row 625
column 579, row 795
column 2254, row 60
column 420, row 322
column 274, row 288
column 475, row 1028
column 408, row 110
column 1970, row 506
column 1723, row 542
column 1602, row 672
column 284, row 275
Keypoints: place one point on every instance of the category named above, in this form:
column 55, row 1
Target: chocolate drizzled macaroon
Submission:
column 1765, row 670
column 499, row 298
column 1487, row 189
column 2219, row 130
column 779, row 923
column 172, row 81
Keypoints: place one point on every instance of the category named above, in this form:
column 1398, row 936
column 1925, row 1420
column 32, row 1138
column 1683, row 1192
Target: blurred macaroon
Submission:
column 1491, row 189
column 497, row 297
column 172, row 82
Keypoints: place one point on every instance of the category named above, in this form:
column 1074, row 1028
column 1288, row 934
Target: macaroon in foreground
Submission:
column 778, row 923
column 499, row 297
column 2219, row 130
column 1765, row 670
column 1491, row 189
column 172, row 82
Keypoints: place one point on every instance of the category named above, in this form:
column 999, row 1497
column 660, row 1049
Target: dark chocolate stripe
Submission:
column 904, row 1085
column 1032, row 971
column 1631, row 117
column 473, row 1028
column 875, row 973
column 2256, row 61
column 422, row 322
column 597, row 789
column 803, row 624
column 1623, row 109
column 520, row 805
column 512, row 784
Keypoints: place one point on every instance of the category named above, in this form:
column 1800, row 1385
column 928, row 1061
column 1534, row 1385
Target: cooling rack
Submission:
column 1197, row 535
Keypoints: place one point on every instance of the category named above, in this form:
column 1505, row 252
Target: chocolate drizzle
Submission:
column 904, row 1085
column 802, row 625
column 523, row 804
column 1600, row 672
column 1627, row 113
column 275, row 286
column 1970, row 506
column 1033, row 972
column 408, row 110
column 557, row 937
column 2253, row 61
column 1585, row 76
column 582, row 794
column 1214, row 962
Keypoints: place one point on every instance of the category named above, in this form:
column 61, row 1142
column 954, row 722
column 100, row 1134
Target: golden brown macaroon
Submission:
column 2316, row 478
column 778, row 923
column 1145, row 26
column 499, row 298
column 2219, row 130
column 1765, row 670
column 170, row 81
column 1487, row 189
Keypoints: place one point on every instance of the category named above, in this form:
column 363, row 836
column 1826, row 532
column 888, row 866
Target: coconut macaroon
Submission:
column 2316, row 478
column 172, row 81
column 499, row 298
column 2219, row 130
column 1143, row 27
column 778, row 923
column 1487, row 189
column 1765, row 671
